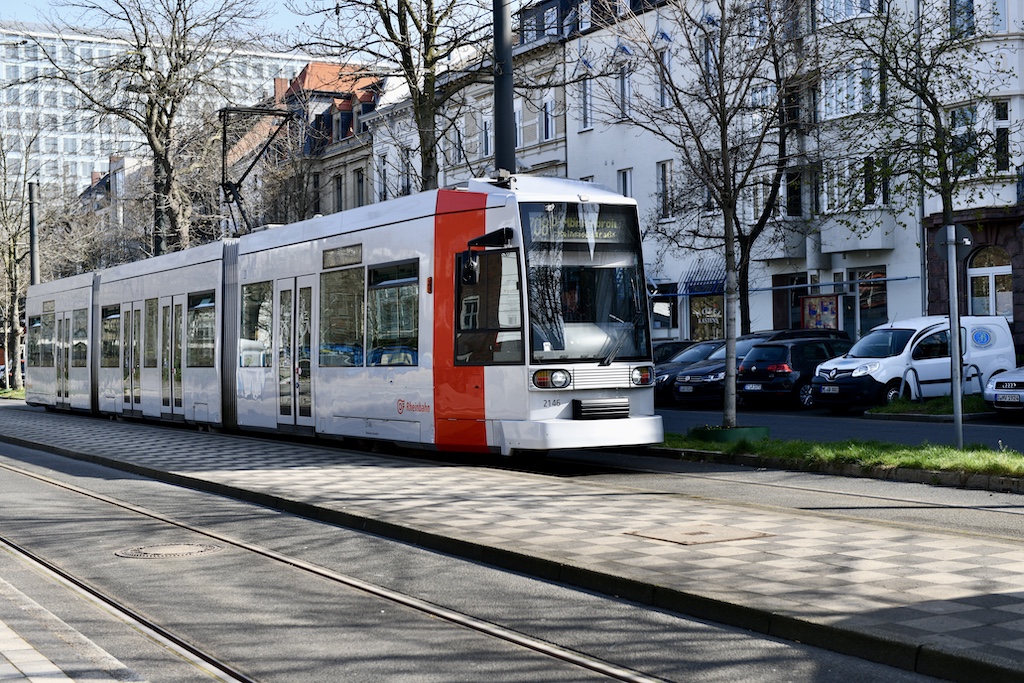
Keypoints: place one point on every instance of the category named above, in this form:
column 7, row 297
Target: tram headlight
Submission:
column 551, row 379
column 643, row 376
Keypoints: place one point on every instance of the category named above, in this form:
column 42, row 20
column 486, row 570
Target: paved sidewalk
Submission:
column 946, row 605
column 20, row 661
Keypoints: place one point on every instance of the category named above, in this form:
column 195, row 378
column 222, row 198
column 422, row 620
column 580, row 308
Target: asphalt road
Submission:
column 823, row 426
column 279, row 625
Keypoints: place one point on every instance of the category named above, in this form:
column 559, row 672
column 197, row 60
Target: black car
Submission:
column 704, row 382
column 782, row 369
column 665, row 350
column 665, row 373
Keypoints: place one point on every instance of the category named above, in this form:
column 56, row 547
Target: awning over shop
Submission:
column 706, row 276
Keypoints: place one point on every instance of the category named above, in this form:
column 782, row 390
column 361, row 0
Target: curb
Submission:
column 962, row 480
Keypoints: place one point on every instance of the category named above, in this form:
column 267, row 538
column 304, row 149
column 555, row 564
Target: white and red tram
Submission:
column 497, row 317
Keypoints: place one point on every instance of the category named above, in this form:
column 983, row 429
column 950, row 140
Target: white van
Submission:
column 914, row 354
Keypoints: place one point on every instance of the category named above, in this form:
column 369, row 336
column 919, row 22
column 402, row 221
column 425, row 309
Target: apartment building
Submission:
column 67, row 144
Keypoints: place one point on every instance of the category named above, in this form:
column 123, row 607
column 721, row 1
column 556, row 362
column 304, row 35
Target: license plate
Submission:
column 1007, row 398
column 685, row 388
column 753, row 387
column 829, row 389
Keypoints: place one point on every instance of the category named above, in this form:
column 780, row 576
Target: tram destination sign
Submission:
column 611, row 224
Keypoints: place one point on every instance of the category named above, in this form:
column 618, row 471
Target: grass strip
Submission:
column 973, row 459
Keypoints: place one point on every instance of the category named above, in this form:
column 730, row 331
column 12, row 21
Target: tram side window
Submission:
column 256, row 346
column 202, row 326
column 489, row 320
column 79, row 337
column 341, row 318
column 152, row 322
column 35, row 327
column 110, row 337
column 46, row 340
column 392, row 315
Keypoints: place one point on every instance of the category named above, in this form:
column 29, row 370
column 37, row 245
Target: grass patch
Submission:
column 973, row 459
column 18, row 395
column 933, row 406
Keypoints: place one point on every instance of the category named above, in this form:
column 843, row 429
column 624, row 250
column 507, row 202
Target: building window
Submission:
column 664, row 171
column 625, row 90
column 664, row 78
column 998, row 16
column 406, row 172
column 585, row 15
column 382, row 178
column 872, row 301
column 991, row 283
column 486, row 135
column 794, row 194
column 586, row 104
column 625, row 182
column 316, row 193
column 964, row 140
column 548, row 118
column 359, row 179
column 551, row 21
column 838, row 10
column 517, row 115
column 961, row 18
column 1002, row 141
column 339, row 193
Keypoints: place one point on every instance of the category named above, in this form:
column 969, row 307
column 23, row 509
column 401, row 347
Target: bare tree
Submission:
column 16, row 157
column 711, row 79
column 173, row 50
column 422, row 43
column 930, row 91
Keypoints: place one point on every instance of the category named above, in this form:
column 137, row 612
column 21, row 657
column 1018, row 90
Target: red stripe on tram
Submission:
column 458, row 390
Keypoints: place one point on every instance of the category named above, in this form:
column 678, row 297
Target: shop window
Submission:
column 991, row 283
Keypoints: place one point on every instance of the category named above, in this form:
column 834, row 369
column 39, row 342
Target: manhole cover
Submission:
column 153, row 552
column 694, row 534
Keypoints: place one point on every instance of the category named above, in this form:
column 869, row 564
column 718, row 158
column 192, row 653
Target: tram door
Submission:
column 293, row 315
column 172, row 360
column 62, row 356
column 131, row 360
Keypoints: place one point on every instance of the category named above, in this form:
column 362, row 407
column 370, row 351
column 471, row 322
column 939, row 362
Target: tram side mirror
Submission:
column 470, row 268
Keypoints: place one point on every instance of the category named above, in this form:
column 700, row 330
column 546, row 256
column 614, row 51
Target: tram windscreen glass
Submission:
column 587, row 299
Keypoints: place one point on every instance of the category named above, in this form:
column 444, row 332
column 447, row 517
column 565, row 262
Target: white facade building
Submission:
column 69, row 145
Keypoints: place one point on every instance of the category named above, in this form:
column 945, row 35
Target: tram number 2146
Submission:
column 552, row 402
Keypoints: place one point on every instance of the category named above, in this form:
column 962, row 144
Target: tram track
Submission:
column 223, row 672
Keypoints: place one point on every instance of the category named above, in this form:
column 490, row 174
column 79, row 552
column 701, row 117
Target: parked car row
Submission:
column 908, row 358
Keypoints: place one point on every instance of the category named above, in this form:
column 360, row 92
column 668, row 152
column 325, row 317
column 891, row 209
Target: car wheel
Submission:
column 805, row 395
column 892, row 391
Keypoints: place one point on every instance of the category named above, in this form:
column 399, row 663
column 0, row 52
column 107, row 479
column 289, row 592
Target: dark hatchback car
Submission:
column 704, row 382
column 664, row 351
column 783, row 369
column 665, row 373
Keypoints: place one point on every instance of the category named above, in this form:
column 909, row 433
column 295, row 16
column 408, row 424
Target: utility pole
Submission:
column 33, row 236
column 504, row 107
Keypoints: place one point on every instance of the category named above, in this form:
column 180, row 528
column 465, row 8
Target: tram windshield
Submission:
column 587, row 300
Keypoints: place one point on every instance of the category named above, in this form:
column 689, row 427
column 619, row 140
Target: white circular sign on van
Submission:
column 982, row 337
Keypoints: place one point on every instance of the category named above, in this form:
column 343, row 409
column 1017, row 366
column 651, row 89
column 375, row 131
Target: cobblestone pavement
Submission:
column 943, row 604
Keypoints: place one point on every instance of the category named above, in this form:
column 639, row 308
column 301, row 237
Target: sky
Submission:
column 280, row 20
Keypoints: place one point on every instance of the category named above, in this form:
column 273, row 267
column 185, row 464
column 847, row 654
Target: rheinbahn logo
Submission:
column 412, row 407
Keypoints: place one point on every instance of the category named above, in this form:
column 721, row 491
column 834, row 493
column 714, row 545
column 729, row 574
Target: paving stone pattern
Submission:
column 944, row 604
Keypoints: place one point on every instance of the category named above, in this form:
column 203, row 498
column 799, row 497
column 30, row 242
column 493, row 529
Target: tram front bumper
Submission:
column 545, row 435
